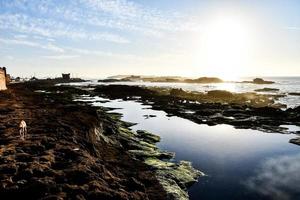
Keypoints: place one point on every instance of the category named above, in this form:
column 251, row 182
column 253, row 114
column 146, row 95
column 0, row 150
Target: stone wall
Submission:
column 2, row 80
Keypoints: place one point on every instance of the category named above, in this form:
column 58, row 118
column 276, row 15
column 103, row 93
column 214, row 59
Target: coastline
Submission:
column 243, row 110
column 77, row 151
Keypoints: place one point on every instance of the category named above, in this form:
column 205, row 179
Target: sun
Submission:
column 226, row 44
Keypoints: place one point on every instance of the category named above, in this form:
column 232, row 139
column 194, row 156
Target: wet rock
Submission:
column 152, row 154
column 204, row 80
column 159, row 164
column 175, row 178
column 267, row 90
column 295, row 141
column 259, row 81
column 219, row 94
column 149, row 116
column 147, row 137
column 8, row 169
column 294, row 93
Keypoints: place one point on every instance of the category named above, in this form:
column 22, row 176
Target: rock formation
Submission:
column 3, row 78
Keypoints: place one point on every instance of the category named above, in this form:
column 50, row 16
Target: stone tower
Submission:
column 3, row 78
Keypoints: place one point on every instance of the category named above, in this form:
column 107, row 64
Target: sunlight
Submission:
column 231, row 87
column 226, row 44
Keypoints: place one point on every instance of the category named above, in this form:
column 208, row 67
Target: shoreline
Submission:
column 64, row 154
column 243, row 111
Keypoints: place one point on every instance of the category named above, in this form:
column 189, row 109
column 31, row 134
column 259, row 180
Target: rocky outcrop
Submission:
column 2, row 79
column 170, row 79
column 295, row 141
column 204, row 80
column 245, row 110
column 71, row 151
column 259, row 81
column 75, row 151
column 267, row 90
column 294, row 93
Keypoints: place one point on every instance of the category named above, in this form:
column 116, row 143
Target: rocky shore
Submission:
column 76, row 151
column 246, row 110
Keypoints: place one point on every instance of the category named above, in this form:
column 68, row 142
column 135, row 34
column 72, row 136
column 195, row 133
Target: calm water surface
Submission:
column 240, row 164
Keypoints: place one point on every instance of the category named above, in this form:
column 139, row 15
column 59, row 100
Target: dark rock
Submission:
column 294, row 93
column 295, row 141
column 267, row 90
column 219, row 94
column 259, row 81
column 204, row 80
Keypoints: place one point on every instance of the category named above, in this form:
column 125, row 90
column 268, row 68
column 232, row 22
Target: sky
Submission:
column 99, row 38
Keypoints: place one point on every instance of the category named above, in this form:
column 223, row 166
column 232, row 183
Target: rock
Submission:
column 147, row 137
column 267, row 90
column 8, row 169
column 152, row 154
column 295, row 141
column 159, row 164
column 219, row 94
column 172, row 188
column 149, row 116
column 259, row 81
column 110, row 80
column 204, row 80
column 175, row 178
column 294, row 93
column 177, row 92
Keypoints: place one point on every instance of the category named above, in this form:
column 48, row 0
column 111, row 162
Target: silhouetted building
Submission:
column 66, row 76
column 3, row 78
column 34, row 79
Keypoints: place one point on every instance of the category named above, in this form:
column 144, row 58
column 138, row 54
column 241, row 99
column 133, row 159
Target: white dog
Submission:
column 23, row 129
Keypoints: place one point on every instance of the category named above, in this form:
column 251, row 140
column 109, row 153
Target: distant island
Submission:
column 175, row 79
column 169, row 79
column 259, row 81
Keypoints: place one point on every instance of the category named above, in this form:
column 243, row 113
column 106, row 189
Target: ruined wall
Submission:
column 2, row 80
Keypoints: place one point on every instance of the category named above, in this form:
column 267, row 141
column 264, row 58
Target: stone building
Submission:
column 3, row 78
column 66, row 76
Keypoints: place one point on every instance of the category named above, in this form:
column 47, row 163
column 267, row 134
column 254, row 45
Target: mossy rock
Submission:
column 152, row 153
column 184, row 174
column 173, row 190
column 148, row 137
column 159, row 164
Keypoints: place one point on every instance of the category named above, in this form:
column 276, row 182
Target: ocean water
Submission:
column 284, row 84
column 240, row 164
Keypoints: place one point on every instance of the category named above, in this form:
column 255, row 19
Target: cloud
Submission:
column 110, row 14
column 278, row 178
column 61, row 57
column 9, row 57
column 22, row 23
column 294, row 28
column 20, row 36
column 48, row 46
column 106, row 54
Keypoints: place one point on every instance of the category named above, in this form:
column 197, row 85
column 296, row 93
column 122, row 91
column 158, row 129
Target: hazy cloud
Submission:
column 47, row 46
column 295, row 28
column 278, row 178
column 114, row 14
column 61, row 57
column 50, row 28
